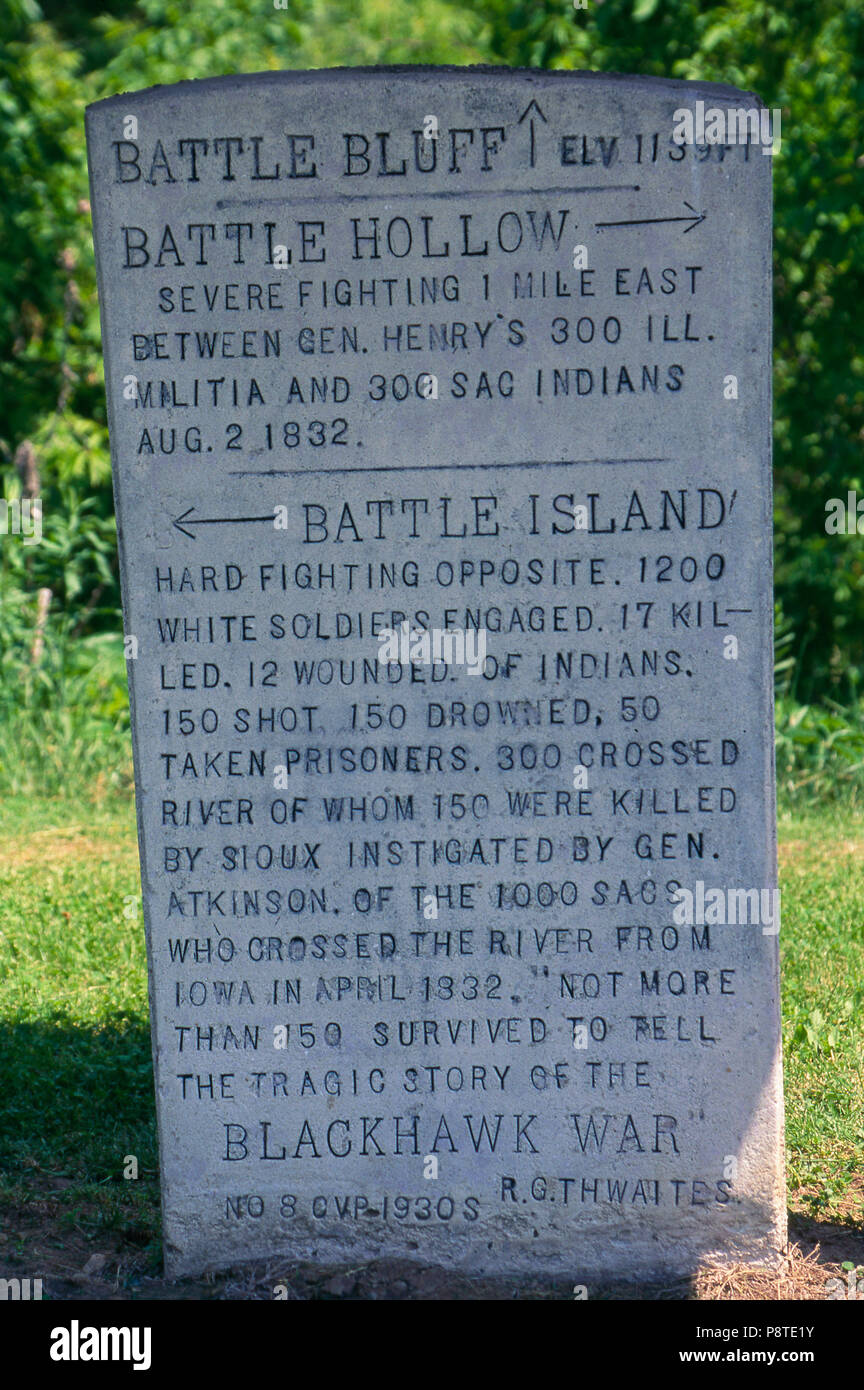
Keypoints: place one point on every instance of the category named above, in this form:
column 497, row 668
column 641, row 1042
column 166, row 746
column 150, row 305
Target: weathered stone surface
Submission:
column 417, row 984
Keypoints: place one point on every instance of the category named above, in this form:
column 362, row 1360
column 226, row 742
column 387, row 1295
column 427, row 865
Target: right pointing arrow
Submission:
column 693, row 218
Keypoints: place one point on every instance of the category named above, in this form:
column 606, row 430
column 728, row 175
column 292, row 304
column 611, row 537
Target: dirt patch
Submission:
column 55, row 845
column 48, row 1240
column 807, row 850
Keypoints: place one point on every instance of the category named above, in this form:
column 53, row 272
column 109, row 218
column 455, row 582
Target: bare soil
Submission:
column 120, row 1265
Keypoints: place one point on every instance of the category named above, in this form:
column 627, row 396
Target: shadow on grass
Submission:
column 76, row 1100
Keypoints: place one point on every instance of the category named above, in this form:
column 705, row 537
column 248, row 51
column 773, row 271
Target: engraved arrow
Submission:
column 212, row 521
column 693, row 218
column 537, row 108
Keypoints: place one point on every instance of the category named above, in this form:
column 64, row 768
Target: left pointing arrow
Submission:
column 186, row 519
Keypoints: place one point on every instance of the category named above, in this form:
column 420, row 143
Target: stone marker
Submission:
column 439, row 406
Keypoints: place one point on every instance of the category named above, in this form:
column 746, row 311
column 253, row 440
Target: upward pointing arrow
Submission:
column 528, row 109
column 533, row 102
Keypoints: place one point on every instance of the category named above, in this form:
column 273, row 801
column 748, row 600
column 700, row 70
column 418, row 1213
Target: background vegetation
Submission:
column 58, row 55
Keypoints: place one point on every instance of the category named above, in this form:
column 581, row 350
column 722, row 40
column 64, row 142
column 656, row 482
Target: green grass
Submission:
column 822, row 945
column 75, row 1079
column 76, row 1090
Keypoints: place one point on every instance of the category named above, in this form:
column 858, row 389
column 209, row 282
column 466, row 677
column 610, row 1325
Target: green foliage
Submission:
column 50, row 359
column 820, row 752
column 807, row 60
column 64, row 714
